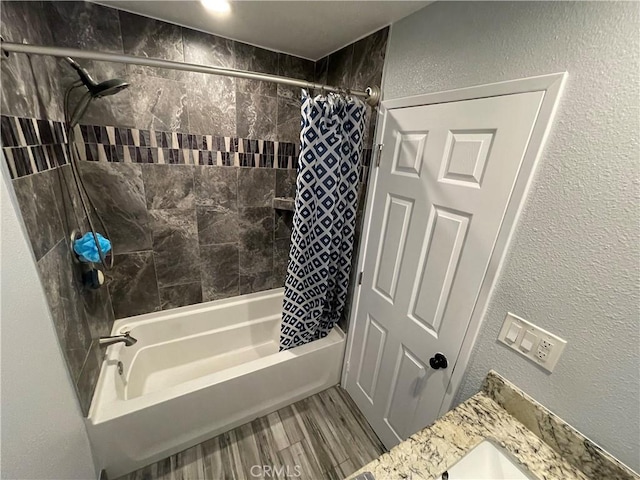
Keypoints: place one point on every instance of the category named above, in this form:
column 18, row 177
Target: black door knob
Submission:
column 438, row 361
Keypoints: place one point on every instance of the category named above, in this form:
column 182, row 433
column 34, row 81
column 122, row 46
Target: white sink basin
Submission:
column 487, row 462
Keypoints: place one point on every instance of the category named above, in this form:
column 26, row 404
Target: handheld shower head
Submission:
column 108, row 87
column 94, row 90
column 97, row 90
column 72, row 118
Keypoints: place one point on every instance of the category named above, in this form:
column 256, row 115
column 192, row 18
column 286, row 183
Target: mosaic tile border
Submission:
column 23, row 132
column 24, row 161
column 33, row 145
column 117, row 144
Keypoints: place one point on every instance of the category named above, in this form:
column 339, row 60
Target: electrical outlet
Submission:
column 545, row 344
column 531, row 341
column 542, row 354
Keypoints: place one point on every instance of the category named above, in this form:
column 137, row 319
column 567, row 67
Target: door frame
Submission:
column 553, row 85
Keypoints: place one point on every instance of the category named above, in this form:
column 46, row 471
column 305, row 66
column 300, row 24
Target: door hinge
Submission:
column 360, row 278
column 379, row 147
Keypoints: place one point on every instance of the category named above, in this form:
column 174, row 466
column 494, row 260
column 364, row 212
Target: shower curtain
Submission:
column 324, row 218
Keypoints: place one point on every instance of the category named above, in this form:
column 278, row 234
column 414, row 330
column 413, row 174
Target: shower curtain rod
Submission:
column 371, row 94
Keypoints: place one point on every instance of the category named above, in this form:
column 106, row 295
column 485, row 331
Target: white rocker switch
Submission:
column 536, row 344
column 512, row 334
column 528, row 341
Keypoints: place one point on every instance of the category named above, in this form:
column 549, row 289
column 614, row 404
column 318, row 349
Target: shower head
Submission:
column 97, row 90
column 108, row 87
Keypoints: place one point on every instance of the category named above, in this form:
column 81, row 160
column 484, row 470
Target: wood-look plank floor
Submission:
column 321, row 437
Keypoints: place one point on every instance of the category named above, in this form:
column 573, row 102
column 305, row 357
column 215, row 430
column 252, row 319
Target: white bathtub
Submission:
column 199, row 371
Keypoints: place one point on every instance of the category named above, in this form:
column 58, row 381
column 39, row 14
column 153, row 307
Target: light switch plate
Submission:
column 546, row 348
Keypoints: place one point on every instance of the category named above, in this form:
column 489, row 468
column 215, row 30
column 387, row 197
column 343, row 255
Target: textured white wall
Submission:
column 572, row 267
column 43, row 433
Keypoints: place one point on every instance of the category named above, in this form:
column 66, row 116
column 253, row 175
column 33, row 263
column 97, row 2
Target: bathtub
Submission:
column 199, row 371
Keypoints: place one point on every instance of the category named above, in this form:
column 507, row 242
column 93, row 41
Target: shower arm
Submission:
column 371, row 94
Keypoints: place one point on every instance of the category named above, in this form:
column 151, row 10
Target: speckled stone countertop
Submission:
column 548, row 449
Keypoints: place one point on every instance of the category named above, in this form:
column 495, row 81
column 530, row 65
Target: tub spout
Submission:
column 125, row 338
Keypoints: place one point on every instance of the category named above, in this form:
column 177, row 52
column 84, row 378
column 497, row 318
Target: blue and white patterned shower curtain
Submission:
column 324, row 219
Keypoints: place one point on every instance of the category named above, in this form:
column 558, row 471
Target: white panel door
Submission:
column 445, row 179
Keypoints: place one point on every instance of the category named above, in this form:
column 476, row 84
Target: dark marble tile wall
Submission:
column 80, row 315
column 184, row 234
column 157, row 99
column 163, row 99
column 166, row 164
column 31, row 86
column 177, row 228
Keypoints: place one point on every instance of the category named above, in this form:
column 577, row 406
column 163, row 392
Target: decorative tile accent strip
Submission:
column 36, row 158
column 574, row 447
column 23, row 132
column 31, row 145
column 116, row 144
column 23, row 138
column 144, row 146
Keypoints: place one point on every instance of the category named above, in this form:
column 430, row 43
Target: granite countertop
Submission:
column 547, row 447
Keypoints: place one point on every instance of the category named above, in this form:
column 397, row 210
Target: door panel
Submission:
column 408, row 154
column 445, row 179
column 438, row 265
column 374, row 338
column 466, row 152
column 405, row 388
column 393, row 237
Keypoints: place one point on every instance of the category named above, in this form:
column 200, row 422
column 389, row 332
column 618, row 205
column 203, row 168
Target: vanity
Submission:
column 499, row 433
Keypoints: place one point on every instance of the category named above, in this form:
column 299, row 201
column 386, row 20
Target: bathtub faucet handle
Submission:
column 125, row 338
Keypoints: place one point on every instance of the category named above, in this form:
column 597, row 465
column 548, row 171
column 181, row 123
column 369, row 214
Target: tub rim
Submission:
column 108, row 407
column 123, row 323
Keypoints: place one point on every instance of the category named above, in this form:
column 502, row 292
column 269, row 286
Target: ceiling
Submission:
column 309, row 29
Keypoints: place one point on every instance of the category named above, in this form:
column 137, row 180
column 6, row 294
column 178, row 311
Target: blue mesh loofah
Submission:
column 87, row 250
